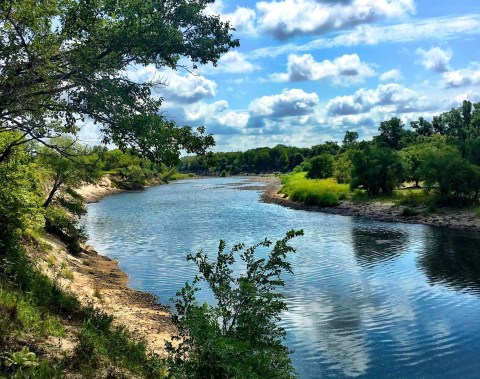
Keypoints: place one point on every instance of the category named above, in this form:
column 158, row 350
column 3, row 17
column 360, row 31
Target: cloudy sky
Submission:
column 309, row 70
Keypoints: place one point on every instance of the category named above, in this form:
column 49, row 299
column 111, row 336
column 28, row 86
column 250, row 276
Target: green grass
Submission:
column 33, row 308
column 18, row 314
column 326, row 192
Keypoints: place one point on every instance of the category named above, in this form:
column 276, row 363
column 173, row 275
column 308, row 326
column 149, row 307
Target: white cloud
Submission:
column 441, row 28
column 435, row 59
column 242, row 19
column 391, row 76
column 387, row 98
column 203, row 112
column 293, row 102
column 347, row 69
column 186, row 89
column 464, row 77
column 235, row 62
column 289, row 18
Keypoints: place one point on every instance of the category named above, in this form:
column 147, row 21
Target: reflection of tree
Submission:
column 373, row 245
column 452, row 258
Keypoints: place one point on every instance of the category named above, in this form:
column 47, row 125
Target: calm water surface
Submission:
column 367, row 298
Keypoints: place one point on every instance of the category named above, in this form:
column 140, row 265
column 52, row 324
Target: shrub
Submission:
column 238, row 337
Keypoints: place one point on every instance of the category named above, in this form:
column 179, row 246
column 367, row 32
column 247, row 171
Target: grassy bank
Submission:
column 326, row 192
column 46, row 332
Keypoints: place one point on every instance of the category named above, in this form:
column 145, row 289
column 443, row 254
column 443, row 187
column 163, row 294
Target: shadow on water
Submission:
column 374, row 245
column 452, row 258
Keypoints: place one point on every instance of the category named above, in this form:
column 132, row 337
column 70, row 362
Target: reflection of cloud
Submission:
column 334, row 330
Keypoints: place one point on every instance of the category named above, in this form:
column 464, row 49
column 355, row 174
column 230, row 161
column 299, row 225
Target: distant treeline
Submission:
column 442, row 154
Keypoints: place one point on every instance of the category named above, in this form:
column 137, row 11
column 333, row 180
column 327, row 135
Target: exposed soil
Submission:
column 97, row 280
column 92, row 193
column 382, row 211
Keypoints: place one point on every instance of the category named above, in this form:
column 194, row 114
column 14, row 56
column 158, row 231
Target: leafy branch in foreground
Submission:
column 239, row 336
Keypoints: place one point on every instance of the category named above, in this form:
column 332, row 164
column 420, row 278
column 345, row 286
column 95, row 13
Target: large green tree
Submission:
column 378, row 170
column 64, row 62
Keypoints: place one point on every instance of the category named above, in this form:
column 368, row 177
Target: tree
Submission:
column 64, row 62
column 412, row 157
column 451, row 177
column 67, row 173
column 342, row 167
column 391, row 132
column 422, row 127
column 20, row 192
column 377, row 169
column 238, row 337
column 350, row 138
column 321, row 167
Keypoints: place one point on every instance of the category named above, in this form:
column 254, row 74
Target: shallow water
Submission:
column 367, row 298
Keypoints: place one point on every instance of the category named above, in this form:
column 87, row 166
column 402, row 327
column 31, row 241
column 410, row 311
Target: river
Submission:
column 367, row 299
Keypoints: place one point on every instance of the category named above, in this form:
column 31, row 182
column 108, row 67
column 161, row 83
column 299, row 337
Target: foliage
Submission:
column 321, row 167
column 65, row 61
column 239, row 336
column 451, row 177
column 342, row 168
column 378, row 170
column 67, row 170
column 65, row 225
column 325, row 192
column 349, row 139
column 391, row 132
column 20, row 192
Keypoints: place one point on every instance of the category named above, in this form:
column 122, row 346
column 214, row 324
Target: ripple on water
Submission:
column 367, row 299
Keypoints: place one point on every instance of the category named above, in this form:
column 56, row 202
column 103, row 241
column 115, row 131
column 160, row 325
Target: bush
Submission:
column 238, row 337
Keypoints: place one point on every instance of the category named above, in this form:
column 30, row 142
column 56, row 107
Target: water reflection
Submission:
column 361, row 301
column 452, row 258
column 373, row 245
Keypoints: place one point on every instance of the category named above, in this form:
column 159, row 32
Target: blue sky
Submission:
column 309, row 70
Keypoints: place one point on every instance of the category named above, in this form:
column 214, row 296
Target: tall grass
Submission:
column 326, row 192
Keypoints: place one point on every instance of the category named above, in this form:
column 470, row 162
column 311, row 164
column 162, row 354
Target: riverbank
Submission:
column 93, row 193
column 382, row 211
column 98, row 280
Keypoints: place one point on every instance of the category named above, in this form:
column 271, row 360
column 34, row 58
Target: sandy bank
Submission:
column 445, row 217
column 97, row 280
column 92, row 193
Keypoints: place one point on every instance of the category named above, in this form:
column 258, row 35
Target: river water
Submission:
column 367, row 299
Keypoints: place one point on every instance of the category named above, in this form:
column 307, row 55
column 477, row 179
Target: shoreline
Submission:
column 465, row 220
column 98, row 280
